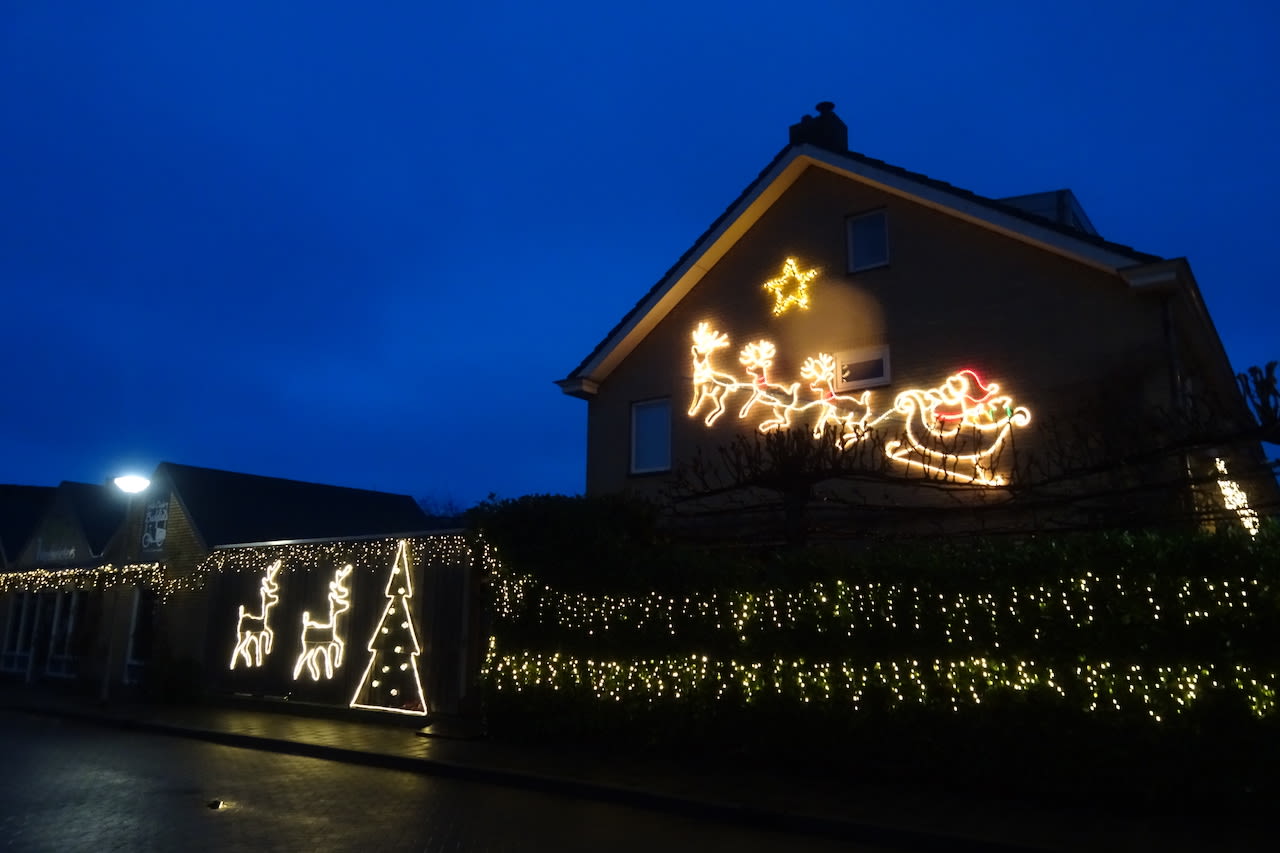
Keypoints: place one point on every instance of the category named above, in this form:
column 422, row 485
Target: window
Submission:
column 651, row 436
column 862, row 368
column 868, row 240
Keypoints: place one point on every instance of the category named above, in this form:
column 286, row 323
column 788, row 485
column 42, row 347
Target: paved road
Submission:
column 67, row 786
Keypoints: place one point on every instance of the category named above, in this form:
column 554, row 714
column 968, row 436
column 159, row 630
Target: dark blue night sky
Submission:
column 356, row 243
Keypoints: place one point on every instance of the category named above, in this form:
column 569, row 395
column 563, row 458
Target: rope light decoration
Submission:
column 953, row 431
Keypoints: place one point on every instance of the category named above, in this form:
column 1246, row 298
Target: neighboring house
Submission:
column 49, row 630
column 941, row 336
column 21, row 508
column 226, row 582
column 188, row 512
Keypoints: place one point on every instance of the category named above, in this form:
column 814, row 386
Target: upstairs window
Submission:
column 651, row 436
column 868, row 235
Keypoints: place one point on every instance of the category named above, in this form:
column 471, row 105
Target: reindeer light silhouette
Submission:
column 321, row 641
column 757, row 358
column 710, row 384
column 839, row 410
column 253, row 632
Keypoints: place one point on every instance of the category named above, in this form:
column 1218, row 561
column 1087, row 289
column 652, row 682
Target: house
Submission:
column 212, row 581
column 49, row 621
column 999, row 350
column 20, row 509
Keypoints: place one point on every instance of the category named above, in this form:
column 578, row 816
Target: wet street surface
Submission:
column 69, row 786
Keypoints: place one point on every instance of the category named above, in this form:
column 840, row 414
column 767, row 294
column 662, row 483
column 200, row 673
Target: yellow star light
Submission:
column 786, row 294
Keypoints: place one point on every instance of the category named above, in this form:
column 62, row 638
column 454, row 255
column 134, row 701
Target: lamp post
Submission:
column 131, row 485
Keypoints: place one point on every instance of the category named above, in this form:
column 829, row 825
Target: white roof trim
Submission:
column 769, row 187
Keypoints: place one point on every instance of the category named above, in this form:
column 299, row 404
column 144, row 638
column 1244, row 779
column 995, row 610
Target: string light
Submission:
column 847, row 614
column 1156, row 692
column 253, row 631
column 791, row 288
column 1235, row 499
column 149, row 575
column 322, row 641
column 383, row 685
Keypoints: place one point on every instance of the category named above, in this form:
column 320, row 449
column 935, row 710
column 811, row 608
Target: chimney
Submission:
column 825, row 131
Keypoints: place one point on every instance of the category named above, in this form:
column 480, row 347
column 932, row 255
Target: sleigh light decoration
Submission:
column 954, row 431
column 957, row 429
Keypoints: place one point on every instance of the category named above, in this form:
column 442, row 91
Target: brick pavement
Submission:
column 72, row 785
column 865, row 810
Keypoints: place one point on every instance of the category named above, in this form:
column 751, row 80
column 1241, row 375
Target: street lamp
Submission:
column 130, row 484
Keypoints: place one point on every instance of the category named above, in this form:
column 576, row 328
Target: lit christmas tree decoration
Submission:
column 391, row 681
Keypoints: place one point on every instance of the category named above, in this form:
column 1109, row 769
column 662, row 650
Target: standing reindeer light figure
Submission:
column 320, row 640
column 253, row 631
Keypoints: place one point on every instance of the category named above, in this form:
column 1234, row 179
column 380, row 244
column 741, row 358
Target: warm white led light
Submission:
column 253, row 630
column 791, row 288
column 954, row 430
column 710, row 385
column 384, row 649
column 1235, row 499
column 322, row 642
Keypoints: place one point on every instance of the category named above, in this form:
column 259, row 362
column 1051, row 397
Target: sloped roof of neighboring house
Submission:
column 228, row 508
column 1010, row 217
column 99, row 509
column 21, row 508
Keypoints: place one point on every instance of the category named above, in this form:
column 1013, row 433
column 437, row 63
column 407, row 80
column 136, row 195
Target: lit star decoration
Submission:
column 1235, row 499
column 391, row 681
column 952, row 432
column 791, row 288
column 322, row 641
column 253, row 630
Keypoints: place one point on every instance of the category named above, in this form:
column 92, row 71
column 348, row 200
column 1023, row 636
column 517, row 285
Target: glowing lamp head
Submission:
column 131, row 483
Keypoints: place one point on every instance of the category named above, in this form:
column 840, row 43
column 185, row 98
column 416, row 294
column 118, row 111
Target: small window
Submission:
column 651, row 436
column 862, row 368
column 868, row 241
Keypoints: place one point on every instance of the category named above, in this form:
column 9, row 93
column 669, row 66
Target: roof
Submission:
column 21, row 508
column 99, row 509
column 777, row 176
column 228, row 508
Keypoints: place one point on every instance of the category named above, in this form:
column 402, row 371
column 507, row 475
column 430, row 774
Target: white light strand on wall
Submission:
column 1235, row 499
